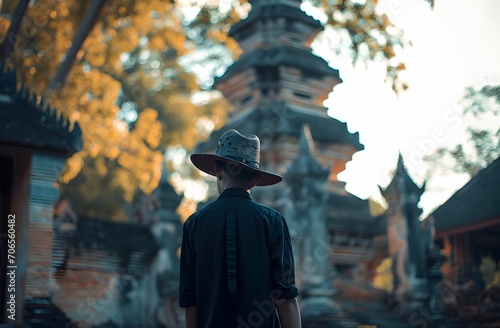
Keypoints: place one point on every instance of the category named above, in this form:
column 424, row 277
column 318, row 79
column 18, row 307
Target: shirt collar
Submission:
column 235, row 192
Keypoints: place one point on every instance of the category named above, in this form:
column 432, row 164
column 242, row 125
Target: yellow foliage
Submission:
column 384, row 279
column 4, row 27
column 148, row 127
column 95, row 47
column 156, row 172
column 73, row 165
column 126, row 39
column 488, row 270
column 360, row 21
column 157, row 43
column 114, row 161
column 93, row 150
column 389, row 51
column 186, row 208
column 100, row 166
column 92, row 108
column 112, row 152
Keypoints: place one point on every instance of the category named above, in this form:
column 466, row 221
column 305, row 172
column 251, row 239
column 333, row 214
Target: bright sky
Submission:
column 454, row 46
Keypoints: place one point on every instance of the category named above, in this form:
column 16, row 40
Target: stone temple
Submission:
column 277, row 87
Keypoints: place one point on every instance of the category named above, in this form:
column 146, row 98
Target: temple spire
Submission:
column 277, row 64
column 305, row 165
column 306, row 143
column 402, row 182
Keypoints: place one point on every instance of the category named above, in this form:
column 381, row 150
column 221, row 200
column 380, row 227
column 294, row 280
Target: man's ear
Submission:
column 254, row 181
column 218, row 173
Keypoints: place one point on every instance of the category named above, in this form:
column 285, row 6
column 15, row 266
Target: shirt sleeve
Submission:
column 282, row 262
column 187, row 290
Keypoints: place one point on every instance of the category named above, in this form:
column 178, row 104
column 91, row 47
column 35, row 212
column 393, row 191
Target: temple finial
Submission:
column 306, row 142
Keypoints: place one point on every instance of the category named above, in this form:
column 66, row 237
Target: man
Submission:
column 237, row 267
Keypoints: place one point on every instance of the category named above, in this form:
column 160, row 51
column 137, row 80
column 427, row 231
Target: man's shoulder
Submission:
column 245, row 205
column 200, row 212
column 191, row 220
column 267, row 210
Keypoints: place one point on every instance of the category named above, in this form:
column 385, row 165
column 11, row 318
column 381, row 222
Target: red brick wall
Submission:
column 86, row 296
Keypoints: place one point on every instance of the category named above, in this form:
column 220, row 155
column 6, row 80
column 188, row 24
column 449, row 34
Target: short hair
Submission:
column 236, row 171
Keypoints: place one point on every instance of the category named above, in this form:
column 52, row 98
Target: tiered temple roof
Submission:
column 271, row 9
column 278, row 84
column 477, row 201
column 286, row 121
column 25, row 121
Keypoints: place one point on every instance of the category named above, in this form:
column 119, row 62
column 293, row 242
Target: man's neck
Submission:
column 231, row 186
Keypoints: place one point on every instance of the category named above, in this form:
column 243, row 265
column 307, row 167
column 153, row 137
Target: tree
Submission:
column 87, row 25
column 481, row 109
column 126, row 89
column 371, row 35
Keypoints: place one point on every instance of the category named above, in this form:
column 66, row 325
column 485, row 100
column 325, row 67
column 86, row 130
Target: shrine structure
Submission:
column 468, row 230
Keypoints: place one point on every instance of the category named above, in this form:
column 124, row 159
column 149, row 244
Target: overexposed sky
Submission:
column 454, row 45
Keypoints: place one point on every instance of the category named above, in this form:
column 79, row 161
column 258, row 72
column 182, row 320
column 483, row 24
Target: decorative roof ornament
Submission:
column 403, row 192
column 306, row 142
column 403, row 182
column 305, row 165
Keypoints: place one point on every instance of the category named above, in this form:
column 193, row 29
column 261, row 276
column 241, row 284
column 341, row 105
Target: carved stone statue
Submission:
column 306, row 180
column 408, row 240
column 306, row 214
column 153, row 299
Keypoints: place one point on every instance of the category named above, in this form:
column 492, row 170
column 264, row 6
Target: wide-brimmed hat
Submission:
column 243, row 151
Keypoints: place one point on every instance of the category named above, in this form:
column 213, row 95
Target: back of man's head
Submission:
column 238, row 176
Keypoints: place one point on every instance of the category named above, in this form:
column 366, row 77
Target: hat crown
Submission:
column 241, row 148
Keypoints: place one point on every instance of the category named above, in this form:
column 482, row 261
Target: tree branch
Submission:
column 7, row 45
column 88, row 24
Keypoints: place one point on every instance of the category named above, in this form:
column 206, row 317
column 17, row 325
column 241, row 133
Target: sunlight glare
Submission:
column 314, row 12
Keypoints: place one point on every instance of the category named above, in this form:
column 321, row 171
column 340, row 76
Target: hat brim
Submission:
column 205, row 163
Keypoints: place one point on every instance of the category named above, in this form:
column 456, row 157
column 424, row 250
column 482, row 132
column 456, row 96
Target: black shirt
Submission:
column 236, row 260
